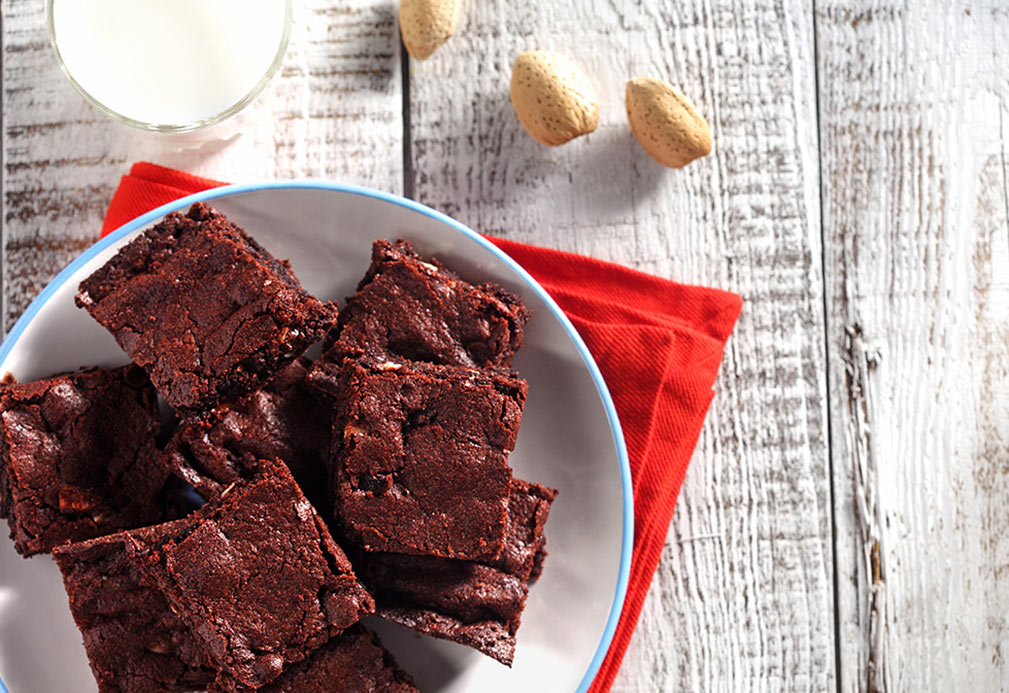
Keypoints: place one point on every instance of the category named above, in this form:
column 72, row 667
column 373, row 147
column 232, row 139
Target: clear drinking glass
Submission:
column 170, row 66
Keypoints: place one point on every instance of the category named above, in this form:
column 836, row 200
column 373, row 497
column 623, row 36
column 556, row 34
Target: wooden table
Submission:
column 844, row 522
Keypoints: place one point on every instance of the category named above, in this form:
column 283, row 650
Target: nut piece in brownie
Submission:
column 133, row 639
column 282, row 421
column 258, row 579
column 352, row 662
column 204, row 309
column 409, row 308
column 78, row 457
column 476, row 604
column 420, row 455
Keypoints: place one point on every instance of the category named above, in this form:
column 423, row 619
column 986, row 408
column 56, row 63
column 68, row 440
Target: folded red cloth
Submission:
column 658, row 344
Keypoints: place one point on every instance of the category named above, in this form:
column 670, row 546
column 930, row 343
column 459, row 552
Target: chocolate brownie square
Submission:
column 133, row 639
column 478, row 604
column 285, row 420
column 352, row 662
column 258, row 579
column 78, row 457
column 204, row 309
column 420, row 455
column 409, row 308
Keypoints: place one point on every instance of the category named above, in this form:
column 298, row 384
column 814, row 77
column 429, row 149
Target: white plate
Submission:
column 570, row 439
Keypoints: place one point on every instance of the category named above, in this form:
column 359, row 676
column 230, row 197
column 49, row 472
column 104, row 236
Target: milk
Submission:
column 168, row 62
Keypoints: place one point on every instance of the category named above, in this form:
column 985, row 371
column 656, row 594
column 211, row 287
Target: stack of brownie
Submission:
column 375, row 480
column 426, row 413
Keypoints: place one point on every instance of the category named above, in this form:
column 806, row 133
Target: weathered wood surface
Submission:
column 908, row 336
column 913, row 116
column 743, row 598
column 336, row 111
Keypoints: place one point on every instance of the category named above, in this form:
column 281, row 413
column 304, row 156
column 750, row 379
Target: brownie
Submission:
column 133, row 639
column 78, row 457
column 460, row 601
column 204, row 309
column 352, row 662
column 409, row 308
column 525, row 541
column 282, row 421
column 478, row 604
column 420, row 455
column 258, row 579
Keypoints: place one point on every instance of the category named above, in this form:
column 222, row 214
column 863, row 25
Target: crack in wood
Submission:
column 861, row 359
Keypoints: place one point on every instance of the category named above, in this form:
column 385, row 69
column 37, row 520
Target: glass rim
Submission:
column 173, row 128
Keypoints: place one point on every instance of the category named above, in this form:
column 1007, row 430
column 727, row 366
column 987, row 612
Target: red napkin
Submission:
column 657, row 343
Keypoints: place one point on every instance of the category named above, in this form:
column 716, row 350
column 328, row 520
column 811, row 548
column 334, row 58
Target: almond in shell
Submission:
column 666, row 123
column 553, row 99
column 426, row 25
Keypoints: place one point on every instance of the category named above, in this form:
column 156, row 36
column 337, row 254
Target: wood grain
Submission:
column 911, row 102
column 743, row 598
column 335, row 112
column 912, row 123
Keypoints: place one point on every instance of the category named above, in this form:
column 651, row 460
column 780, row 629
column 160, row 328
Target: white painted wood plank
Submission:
column 334, row 112
column 913, row 113
column 743, row 599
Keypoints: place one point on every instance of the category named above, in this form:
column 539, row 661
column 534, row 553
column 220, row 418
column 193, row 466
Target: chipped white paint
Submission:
column 912, row 111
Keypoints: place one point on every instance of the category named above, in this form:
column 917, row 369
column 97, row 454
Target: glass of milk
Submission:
column 170, row 65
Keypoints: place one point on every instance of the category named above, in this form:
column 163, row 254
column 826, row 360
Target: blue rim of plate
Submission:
column 604, row 393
